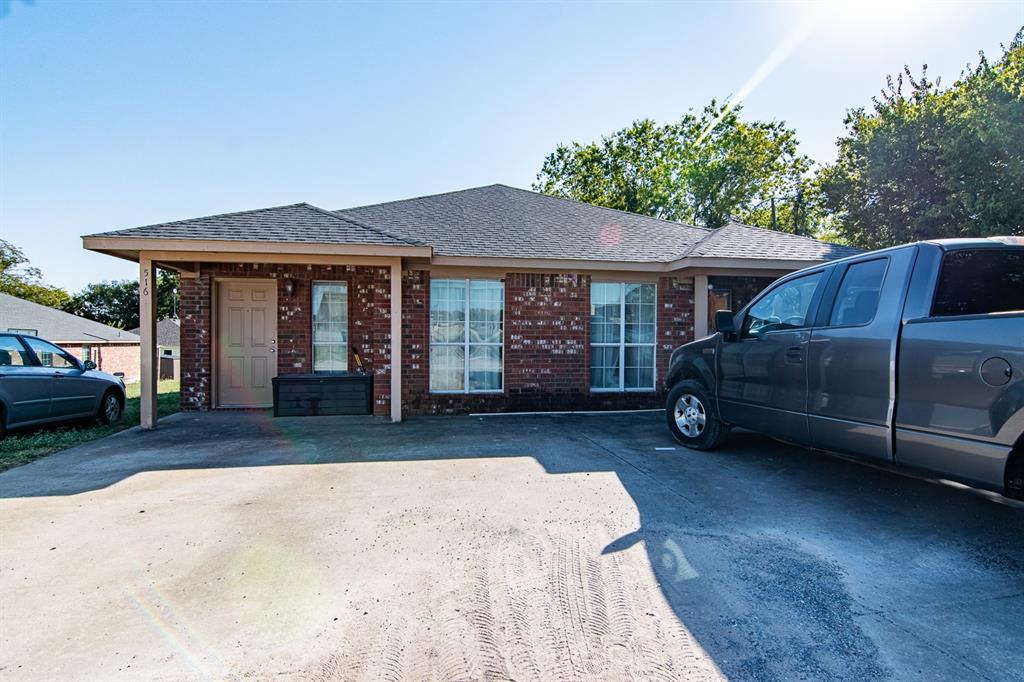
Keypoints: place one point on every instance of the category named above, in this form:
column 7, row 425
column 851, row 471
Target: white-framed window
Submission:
column 466, row 335
column 330, row 326
column 622, row 336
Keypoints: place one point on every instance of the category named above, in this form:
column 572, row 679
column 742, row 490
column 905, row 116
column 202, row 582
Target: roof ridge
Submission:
column 676, row 223
column 712, row 231
column 205, row 217
column 532, row 193
column 422, row 196
column 347, row 219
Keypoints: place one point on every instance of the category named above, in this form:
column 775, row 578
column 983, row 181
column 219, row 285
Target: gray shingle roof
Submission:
column 743, row 241
column 57, row 325
column 294, row 223
column 498, row 221
column 502, row 221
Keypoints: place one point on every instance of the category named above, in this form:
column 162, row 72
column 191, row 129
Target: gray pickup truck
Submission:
column 912, row 355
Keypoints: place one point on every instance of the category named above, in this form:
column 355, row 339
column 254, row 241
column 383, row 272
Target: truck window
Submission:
column 784, row 307
column 857, row 299
column 980, row 281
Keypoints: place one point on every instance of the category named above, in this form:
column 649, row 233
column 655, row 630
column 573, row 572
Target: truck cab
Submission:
column 912, row 355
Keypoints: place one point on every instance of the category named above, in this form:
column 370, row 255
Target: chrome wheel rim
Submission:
column 690, row 415
column 112, row 408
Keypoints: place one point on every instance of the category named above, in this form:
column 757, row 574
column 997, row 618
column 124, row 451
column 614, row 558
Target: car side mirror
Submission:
column 88, row 364
column 725, row 323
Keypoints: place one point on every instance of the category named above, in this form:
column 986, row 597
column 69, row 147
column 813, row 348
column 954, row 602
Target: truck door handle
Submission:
column 795, row 354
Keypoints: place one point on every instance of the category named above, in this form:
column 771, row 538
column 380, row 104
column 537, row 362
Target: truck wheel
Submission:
column 688, row 411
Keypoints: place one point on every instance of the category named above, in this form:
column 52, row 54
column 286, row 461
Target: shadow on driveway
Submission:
column 782, row 563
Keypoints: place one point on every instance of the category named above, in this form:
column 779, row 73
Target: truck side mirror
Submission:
column 725, row 322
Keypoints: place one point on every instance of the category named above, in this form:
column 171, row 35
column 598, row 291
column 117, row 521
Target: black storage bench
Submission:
column 301, row 395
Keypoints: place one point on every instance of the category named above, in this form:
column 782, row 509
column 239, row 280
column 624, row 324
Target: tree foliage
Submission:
column 704, row 169
column 117, row 303
column 20, row 279
column 925, row 162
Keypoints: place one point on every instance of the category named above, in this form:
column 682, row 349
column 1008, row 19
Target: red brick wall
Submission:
column 546, row 351
column 369, row 295
column 112, row 358
column 547, row 346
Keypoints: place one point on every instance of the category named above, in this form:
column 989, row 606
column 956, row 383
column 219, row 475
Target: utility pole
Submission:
column 774, row 224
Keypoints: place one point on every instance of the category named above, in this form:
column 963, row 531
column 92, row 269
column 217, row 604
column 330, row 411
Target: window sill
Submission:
column 499, row 391
column 624, row 390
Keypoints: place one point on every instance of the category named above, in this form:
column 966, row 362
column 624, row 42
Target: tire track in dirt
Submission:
column 525, row 606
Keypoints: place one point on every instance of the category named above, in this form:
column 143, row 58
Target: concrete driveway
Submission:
column 235, row 546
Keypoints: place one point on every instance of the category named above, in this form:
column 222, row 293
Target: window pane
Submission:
column 448, row 310
column 485, row 368
column 50, row 355
column 605, row 312
column 980, row 281
column 604, row 367
column 11, row 353
column 486, row 306
column 639, row 313
column 330, row 326
column 447, row 368
column 330, row 358
column 858, row 294
column 785, row 307
column 639, row 367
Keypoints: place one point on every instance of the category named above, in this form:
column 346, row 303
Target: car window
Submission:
column 50, row 355
column 857, row 299
column 980, row 281
column 12, row 353
column 784, row 307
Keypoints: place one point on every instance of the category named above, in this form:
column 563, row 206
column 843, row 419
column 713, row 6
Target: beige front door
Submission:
column 246, row 343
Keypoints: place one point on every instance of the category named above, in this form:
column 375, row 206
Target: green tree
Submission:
column 925, row 162
column 20, row 279
column 117, row 303
column 706, row 169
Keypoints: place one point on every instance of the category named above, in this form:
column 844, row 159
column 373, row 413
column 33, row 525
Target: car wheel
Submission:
column 688, row 411
column 110, row 408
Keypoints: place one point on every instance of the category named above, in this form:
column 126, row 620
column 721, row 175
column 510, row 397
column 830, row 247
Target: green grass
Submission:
column 21, row 447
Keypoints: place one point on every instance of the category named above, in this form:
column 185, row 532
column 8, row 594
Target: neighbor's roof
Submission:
column 498, row 221
column 294, row 223
column 57, row 325
column 168, row 333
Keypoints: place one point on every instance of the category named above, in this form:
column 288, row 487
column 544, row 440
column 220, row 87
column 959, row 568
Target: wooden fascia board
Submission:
column 186, row 249
column 750, row 264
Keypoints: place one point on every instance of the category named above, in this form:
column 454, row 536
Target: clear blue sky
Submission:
column 128, row 113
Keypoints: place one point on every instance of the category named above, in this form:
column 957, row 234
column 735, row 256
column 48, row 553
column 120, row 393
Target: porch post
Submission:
column 147, row 330
column 700, row 306
column 396, row 340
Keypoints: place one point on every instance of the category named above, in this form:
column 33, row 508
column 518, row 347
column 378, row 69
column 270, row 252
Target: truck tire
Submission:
column 688, row 412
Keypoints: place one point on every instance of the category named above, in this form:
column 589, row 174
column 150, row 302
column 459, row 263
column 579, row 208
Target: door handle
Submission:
column 795, row 354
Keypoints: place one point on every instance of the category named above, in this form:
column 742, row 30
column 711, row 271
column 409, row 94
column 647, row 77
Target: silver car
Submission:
column 42, row 383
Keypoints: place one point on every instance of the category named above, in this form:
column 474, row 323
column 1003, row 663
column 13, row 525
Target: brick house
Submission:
column 113, row 350
column 500, row 299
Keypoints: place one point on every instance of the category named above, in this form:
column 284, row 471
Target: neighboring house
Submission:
column 113, row 350
column 499, row 298
column 168, row 345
